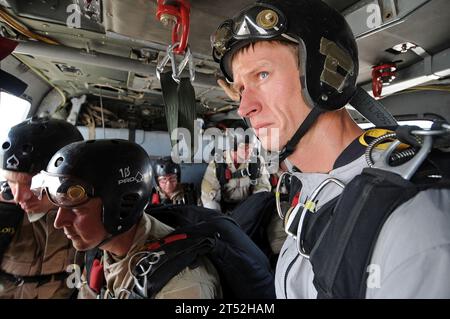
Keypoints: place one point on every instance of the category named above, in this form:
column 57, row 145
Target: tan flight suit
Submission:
column 235, row 190
column 201, row 282
column 37, row 249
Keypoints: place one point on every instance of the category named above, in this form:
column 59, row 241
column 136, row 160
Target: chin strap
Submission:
column 370, row 108
column 104, row 241
column 290, row 146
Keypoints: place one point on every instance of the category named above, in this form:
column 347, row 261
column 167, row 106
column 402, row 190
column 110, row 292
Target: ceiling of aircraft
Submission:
column 114, row 50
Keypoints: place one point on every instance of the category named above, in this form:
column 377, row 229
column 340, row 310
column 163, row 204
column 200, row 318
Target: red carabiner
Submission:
column 382, row 74
column 179, row 11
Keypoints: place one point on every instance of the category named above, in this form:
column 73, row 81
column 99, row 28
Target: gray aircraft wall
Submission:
column 157, row 144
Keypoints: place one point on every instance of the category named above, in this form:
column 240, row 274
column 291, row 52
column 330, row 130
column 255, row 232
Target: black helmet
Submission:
column 165, row 166
column 328, row 53
column 327, row 47
column 117, row 171
column 30, row 144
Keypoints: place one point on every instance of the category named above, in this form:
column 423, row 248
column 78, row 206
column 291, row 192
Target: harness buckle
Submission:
column 19, row 281
column 142, row 268
column 295, row 221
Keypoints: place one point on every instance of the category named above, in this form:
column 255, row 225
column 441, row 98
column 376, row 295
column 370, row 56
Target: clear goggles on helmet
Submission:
column 62, row 191
column 260, row 21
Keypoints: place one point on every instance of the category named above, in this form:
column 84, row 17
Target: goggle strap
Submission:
column 288, row 37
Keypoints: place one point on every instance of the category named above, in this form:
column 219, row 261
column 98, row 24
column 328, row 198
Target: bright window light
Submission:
column 13, row 110
column 425, row 124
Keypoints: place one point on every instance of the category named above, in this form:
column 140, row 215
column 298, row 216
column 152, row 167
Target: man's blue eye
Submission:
column 263, row 74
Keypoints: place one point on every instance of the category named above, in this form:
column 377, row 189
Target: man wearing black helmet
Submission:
column 228, row 182
column 101, row 188
column 294, row 65
column 169, row 189
column 35, row 259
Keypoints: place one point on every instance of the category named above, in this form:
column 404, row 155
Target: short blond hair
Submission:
column 292, row 46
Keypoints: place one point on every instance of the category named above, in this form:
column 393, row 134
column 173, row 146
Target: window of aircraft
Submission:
column 13, row 110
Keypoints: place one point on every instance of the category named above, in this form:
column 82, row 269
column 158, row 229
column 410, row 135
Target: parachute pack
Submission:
column 244, row 270
column 253, row 216
column 338, row 238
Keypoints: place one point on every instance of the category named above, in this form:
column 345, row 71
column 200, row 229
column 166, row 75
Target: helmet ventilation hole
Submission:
column 6, row 145
column 59, row 161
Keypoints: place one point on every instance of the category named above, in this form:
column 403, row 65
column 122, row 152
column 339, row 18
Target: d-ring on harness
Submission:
column 309, row 207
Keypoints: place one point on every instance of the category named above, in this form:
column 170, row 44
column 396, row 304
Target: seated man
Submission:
column 227, row 184
column 379, row 229
column 101, row 188
column 36, row 256
column 168, row 189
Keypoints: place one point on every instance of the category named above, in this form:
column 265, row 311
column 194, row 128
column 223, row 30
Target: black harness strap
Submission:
column 343, row 250
column 39, row 279
column 220, row 173
column 173, row 257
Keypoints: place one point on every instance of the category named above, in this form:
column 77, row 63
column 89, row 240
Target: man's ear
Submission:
column 229, row 90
